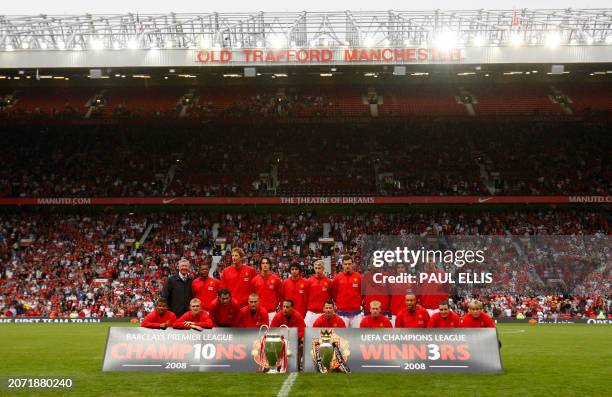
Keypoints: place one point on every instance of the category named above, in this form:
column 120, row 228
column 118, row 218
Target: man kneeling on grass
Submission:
column 195, row 318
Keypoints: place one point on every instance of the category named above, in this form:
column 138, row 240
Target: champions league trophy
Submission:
column 271, row 351
column 327, row 353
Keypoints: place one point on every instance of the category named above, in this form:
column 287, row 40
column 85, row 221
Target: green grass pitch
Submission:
column 541, row 360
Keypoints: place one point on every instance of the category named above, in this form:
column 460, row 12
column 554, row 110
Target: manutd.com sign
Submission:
column 346, row 55
column 309, row 200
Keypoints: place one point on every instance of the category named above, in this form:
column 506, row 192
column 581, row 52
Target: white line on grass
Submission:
column 284, row 391
column 511, row 331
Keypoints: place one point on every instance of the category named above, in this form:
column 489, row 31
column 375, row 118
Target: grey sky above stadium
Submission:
column 192, row 6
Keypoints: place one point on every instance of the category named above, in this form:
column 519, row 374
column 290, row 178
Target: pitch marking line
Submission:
column 512, row 331
column 284, row 391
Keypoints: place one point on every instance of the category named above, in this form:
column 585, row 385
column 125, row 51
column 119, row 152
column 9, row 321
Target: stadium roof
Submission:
column 478, row 31
column 304, row 29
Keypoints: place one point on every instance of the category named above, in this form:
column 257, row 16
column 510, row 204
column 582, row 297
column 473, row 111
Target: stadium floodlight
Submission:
column 553, row 39
column 96, row 44
column 133, row 44
column 9, row 47
column 278, row 42
column 479, row 40
column 516, row 39
column 259, row 43
column 446, row 40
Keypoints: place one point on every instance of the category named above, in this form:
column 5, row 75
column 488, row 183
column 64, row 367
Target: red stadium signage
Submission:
column 318, row 55
column 309, row 200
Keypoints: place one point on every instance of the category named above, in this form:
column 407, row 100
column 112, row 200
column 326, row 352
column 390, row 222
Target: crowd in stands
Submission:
column 109, row 263
column 410, row 159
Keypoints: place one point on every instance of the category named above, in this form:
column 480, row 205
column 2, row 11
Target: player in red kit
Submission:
column 346, row 291
column 160, row 318
column 296, row 289
column 290, row 317
column 195, row 318
column 373, row 291
column 476, row 317
column 329, row 319
column 376, row 319
column 444, row 318
column 398, row 293
column 205, row 288
column 253, row 315
column 268, row 286
column 413, row 315
column 433, row 292
column 224, row 311
column 319, row 291
column 237, row 278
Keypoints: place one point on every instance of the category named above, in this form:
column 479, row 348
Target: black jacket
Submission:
column 178, row 294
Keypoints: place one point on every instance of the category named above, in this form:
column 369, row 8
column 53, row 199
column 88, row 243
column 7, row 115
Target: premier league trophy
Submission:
column 327, row 353
column 271, row 351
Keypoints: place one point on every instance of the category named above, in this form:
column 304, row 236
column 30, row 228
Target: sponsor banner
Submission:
column 312, row 200
column 403, row 350
column 217, row 349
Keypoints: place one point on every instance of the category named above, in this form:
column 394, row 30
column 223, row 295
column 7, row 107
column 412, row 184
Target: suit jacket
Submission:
column 178, row 294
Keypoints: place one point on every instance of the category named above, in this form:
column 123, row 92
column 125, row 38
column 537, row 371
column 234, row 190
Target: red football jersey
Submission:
column 319, row 291
column 153, row 319
column 269, row 290
column 416, row 319
column 253, row 320
column 205, row 290
column 239, row 282
column 451, row 321
column 347, row 291
column 379, row 322
column 297, row 291
column 334, row 321
column 483, row 321
column 295, row 320
column 202, row 319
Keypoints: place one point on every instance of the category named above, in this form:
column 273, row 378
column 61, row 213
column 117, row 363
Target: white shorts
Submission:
column 352, row 321
column 311, row 317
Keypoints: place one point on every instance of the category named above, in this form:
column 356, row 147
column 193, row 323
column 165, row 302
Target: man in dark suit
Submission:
column 177, row 290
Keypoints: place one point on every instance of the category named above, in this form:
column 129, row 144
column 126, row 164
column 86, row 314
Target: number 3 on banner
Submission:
column 434, row 352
